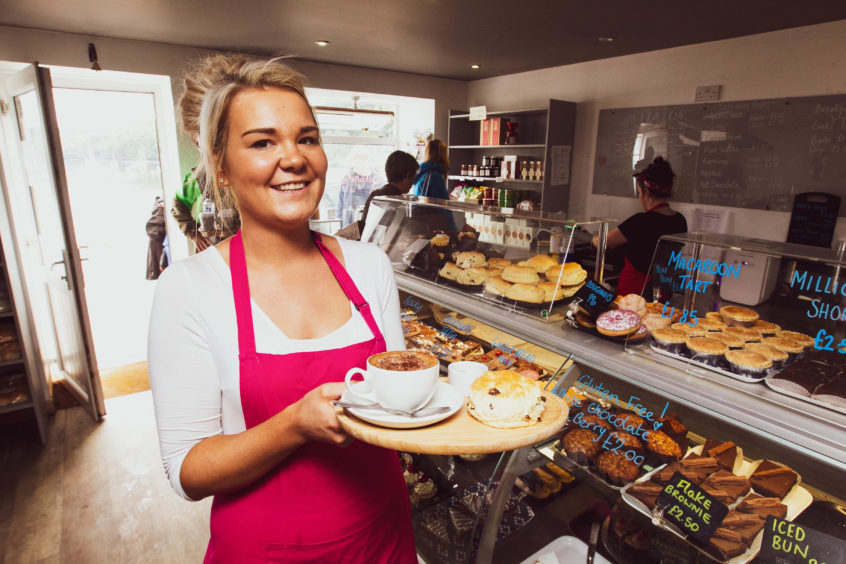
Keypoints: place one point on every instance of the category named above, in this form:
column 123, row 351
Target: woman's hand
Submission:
column 314, row 415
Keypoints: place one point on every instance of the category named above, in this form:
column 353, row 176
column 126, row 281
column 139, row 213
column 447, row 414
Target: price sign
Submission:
column 692, row 510
column 788, row 543
column 825, row 342
column 594, row 297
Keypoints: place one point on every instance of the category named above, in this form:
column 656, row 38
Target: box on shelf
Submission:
column 498, row 131
column 485, row 132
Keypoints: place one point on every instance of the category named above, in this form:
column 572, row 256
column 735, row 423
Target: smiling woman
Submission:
column 246, row 384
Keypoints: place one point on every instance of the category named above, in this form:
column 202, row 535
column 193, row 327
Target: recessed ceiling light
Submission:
column 321, row 43
column 475, row 66
column 606, row 39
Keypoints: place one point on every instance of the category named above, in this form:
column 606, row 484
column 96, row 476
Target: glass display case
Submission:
column 525, row 262
column 697, row 401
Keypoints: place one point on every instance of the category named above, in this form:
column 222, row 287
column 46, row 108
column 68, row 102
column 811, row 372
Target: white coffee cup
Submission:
column 461, row 374
column 394, row 380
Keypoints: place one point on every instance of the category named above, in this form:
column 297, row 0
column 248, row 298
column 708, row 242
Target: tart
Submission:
column 616, row 469
column 567, row 274
column 496, row 287
column 772, row 480
column 748, row 363
column 739, row 316
column 800, row 338
column 581, row 445
column 497, row 262
column 778, row 357
column 766, row 328
column 705, row 350
column 763, row 506
column 696, row 331
column 617, row 322
column 747, row 334
column 472, row 279
column 520, row 275
column 715, row 315
column 669, row 339
column 791, row 347
column 711, row 324
column 470, row 259
column 731, row 341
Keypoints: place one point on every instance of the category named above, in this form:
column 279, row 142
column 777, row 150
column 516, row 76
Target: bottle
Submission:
column 463, row 170
column 540, row 171
column 524, row 171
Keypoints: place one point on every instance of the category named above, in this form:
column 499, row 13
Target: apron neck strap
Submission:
column 241, row 290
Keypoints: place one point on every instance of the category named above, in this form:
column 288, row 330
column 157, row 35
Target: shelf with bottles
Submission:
column 512, row 146
column 497, row 179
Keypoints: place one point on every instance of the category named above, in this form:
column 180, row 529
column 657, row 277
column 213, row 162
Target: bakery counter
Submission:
column 808, row 436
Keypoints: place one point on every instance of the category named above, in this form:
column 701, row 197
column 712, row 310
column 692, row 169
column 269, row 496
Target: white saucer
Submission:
column 444, row 395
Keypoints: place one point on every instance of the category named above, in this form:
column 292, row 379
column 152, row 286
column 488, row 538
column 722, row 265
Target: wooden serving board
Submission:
column 461, row 433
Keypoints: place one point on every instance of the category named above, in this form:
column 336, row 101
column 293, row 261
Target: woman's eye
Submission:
column 310, row 140
column 261, row 144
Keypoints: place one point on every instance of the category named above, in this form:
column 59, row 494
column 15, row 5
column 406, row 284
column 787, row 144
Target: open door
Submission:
column 55, row 274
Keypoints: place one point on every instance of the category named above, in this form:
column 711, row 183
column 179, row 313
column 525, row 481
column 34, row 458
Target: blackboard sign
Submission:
column 788, row 543
column 813, row 219
column 690, row 508
column 594, row 297
column 752, row 154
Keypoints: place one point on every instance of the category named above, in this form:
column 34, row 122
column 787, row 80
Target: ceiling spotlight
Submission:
column 321, row 43
column 475, row 66
column 606, row 39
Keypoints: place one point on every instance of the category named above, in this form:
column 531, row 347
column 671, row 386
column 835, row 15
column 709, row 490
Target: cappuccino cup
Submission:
column 398, row 379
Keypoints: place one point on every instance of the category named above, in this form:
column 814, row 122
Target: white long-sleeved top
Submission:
column 192, row 344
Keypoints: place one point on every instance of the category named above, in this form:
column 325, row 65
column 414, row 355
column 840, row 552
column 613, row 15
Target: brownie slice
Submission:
column 726, row 543
column 725, row 454
column 748, row 525
column 833, row 392
column 694, row 469
column 772, row 480
column 647, row 492
column 734, row 486
column 802, row 377
column 719, row 494
column 763, row 506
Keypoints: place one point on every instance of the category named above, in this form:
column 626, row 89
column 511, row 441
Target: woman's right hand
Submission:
column 314, row 415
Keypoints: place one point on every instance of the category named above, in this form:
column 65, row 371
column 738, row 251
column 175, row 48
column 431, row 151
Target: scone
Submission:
column 497, row 262
column 551, row 291
column 472, row 278
column 470, row 259
column 505, row 400
column 571, row 273
column 496, row 286
column 570, row 291
column 525, row 293
column 449, row 271
column 540, row 263
column 520, row 274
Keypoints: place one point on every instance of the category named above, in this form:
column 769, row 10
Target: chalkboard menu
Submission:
column 813, row 219
column 751, row 154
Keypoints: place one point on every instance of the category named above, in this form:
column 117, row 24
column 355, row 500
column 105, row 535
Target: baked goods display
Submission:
column 750, row 490
column 13, row 389
column 449, row 348
column 505, row 399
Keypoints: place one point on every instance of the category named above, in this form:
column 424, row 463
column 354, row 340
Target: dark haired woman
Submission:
column 638, row 235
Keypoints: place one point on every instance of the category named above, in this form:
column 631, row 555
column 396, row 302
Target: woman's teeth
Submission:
column 289, row 187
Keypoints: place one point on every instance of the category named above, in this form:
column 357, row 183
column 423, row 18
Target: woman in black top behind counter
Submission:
column 638, row 235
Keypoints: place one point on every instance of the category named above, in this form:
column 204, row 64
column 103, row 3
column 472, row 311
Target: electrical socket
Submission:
column 707, row 93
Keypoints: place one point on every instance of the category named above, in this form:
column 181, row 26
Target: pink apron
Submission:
column 323, row 503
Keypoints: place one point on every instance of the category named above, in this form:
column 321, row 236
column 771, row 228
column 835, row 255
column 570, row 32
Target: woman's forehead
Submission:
column 254, row 105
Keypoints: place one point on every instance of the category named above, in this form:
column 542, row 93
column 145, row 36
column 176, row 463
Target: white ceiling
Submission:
column 431, row 37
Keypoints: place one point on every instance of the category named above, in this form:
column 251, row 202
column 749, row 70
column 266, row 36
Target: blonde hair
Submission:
column 436, row 152
column 232, row 78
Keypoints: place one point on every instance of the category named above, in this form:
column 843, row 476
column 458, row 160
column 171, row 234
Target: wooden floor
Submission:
column 95, row 493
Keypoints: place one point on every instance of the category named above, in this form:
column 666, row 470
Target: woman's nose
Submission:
column 290, row 157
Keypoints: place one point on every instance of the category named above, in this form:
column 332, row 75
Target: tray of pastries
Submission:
column 733, row 342
column 611, row 446
column 629, row 319
column 751, row 490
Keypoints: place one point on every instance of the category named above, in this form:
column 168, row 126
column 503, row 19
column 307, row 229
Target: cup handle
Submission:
column 348, row 380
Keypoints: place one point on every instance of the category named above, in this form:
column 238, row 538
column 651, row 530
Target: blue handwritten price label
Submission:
column 690, row 508
column 825, row 342
column 788, row 543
